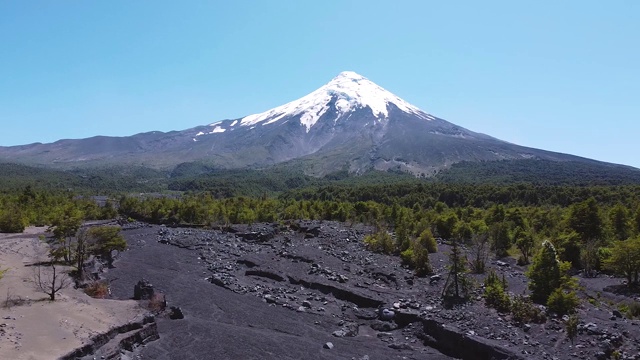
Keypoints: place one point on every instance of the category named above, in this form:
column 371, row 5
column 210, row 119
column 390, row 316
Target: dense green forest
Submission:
column 199, row 177
column 514, row 218
column 540, row 172
column 591, row 228
column 43, row 208
column 15, row 177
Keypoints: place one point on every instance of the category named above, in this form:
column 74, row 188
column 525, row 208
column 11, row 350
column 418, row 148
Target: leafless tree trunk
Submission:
column 50, row 280
column 480, row 252
column 81, row 251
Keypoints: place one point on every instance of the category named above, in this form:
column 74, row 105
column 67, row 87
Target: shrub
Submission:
column 633, row 310
column 12, row 221
column 421, row 260
column 380, row 242
column 495, row 295
column 562, row 303
column 497, row 298
column 427, row 240
column 523, row 311
column 417, row 257
column 572, row 327
column 407, row 257
column 97, row 289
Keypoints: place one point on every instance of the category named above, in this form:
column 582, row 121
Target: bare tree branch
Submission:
column 50, row 280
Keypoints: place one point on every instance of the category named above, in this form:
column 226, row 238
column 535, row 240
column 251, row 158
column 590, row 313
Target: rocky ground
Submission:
column 311, row 290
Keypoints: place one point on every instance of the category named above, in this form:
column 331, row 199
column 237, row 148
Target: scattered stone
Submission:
column 386, row 314
column 365, row 314
column 328, row 345
column 143, row 290
column 175, row 313
column 434, row 279
column 400, row 346
column 384, row 326
column 347, row 330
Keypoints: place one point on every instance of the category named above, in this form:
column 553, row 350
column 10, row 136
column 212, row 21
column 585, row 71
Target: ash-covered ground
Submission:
column 312, row 290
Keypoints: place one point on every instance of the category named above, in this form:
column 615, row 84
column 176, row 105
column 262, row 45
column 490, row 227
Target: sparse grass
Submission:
column 12, row 300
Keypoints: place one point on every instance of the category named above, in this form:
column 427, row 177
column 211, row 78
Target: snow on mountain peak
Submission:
column 350, row 90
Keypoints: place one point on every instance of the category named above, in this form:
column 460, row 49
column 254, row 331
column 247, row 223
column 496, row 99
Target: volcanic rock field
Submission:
column 311, row 290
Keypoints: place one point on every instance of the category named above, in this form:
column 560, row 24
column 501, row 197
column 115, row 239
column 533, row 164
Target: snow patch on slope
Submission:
column 216, row 129
column 352, row 91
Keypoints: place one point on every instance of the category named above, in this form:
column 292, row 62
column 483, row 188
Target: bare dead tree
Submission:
column 50, row 280
column 480, row 252
column 81, row 251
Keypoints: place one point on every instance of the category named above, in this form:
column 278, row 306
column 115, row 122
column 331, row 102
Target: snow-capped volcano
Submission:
column 348, row 91
column 348, row 123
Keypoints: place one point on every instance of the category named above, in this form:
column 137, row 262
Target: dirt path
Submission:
column 38, row 328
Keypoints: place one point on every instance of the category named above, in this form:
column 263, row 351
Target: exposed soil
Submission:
column 31, row 326
column 284, row 292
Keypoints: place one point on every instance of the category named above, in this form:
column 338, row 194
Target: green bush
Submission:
column 407, row 257
column 421, row 260
column 495, row 295
column 12, row 221
column 417, row 257
column 562, row 303
column 633, row 310
column 523, row 311
column 427, row 240
column 380, row 242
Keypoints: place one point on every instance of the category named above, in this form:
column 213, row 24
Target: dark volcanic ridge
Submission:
column 312, row 290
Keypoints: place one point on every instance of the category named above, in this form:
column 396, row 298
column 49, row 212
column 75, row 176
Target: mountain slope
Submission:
column 349, row 123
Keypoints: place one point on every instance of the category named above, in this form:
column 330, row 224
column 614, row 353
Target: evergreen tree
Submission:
column 620, row 222
column 500, row 240
column 458, row 285
column 544, row 273
column 625, row 259
column 584, row 219
column 105, row 240
column 636, row 221
column 524, row 241
column 64, row 226
column 446, row 225
column 572, row 327
column 428, row 242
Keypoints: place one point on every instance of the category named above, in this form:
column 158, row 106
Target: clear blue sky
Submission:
column 557, row 75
